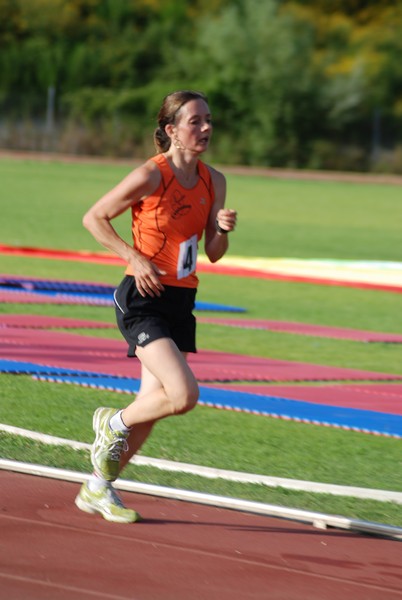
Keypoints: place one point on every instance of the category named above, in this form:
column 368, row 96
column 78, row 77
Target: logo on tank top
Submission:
column 179, row 208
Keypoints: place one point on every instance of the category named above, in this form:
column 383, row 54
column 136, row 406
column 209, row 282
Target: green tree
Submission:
column 291, row 82
column 255, row 65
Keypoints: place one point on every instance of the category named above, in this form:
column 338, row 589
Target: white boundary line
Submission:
column 212, row 473
column 319, row 520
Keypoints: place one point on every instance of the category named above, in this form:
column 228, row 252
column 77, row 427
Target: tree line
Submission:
column 291, row 83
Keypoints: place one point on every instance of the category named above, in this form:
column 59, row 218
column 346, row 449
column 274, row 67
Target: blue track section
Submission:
column 28, row 368
column 284, row 408
column 297, row 410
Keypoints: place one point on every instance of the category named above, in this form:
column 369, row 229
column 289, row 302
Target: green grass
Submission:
column 316, row 219
column 211, row 437
column 276, row 218
column 44, row 202
column 302, row 219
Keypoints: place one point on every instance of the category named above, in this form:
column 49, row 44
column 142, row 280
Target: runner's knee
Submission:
column 184, row 399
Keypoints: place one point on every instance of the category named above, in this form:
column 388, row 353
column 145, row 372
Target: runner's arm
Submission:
column 216, row 242
column 141, row 182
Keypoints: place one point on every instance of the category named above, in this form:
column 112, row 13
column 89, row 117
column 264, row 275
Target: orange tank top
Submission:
column 168, row 225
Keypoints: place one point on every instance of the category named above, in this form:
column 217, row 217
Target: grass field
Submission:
column 42, row 205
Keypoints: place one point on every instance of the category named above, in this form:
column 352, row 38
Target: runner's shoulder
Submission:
column 147, row 176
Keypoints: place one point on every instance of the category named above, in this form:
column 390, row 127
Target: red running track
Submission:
column 49, row 322
column 181, row 551
column 22, row 321
column 342, row 333
column 108, row 356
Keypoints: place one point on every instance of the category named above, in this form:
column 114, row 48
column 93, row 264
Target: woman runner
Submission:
column 175, row 199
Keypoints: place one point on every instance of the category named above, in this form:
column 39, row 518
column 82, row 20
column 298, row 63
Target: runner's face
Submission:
column 193, row 127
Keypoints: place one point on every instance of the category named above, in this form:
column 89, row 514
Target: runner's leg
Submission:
column 140, row 433
column 150, row 385
column 178, row 392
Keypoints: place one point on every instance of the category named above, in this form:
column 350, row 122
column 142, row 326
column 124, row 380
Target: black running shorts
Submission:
column 143, row 320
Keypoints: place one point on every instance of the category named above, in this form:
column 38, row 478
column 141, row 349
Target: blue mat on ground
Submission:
column 334, row 416
column 365, row 421
column 26, row 284
column 87, row 292
column 16, row 367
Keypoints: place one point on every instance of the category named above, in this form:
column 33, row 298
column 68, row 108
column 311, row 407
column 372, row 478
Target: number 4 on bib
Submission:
column 187, row 257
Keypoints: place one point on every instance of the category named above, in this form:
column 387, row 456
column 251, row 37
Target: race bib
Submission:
column 187, row 257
